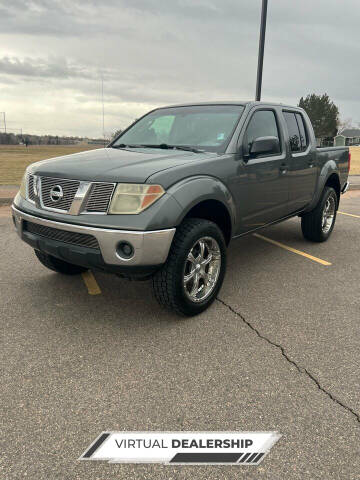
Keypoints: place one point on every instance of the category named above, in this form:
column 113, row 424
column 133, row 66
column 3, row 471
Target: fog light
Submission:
column 125, row 250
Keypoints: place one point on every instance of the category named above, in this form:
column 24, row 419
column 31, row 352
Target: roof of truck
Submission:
column 240, row 102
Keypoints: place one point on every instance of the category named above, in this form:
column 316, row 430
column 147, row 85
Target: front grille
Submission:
column 69, row 188
column 99, row 197
column 73, row 238
column 97, row 201
column 31, row 193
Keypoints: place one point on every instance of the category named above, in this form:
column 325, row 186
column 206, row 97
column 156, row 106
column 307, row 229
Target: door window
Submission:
column 303, row 136
column 262, row 124
column 297, row 131
column 293, row 130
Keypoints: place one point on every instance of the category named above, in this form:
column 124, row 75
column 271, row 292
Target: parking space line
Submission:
column 349, row 214
column 290, row 249
column 91, row 283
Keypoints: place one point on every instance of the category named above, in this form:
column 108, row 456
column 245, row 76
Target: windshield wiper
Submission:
column 164, row 146
column 122, row 145
column 172, row 147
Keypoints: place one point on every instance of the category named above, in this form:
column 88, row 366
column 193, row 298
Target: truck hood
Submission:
column 115, row 165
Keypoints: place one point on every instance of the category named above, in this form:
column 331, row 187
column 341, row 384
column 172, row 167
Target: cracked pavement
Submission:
column 288, row 359
column 279, row 350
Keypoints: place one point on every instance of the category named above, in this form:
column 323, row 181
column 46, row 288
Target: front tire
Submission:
column 318, row 224
column 194, row 271
column 57, row 265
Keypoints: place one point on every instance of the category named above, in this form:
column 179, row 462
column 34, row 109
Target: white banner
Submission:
column 241, row 448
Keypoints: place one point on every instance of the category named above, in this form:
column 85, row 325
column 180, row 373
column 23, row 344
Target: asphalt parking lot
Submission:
column 279, row 350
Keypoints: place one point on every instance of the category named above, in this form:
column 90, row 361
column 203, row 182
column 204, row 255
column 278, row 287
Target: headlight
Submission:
column 22, row 190
column 130, row 198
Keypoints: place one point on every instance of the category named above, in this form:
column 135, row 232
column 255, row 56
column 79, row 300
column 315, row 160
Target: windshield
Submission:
column 207, row 127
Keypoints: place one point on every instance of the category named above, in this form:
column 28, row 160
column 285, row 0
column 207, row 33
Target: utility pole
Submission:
column 261, row 50
column 4, row 120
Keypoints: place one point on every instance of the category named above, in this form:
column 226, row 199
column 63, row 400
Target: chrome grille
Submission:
column 31, row 194
column 99, row 197
column 69, row 188
column 65, row 236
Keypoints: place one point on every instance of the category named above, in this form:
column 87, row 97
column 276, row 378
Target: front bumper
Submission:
column 150, row 248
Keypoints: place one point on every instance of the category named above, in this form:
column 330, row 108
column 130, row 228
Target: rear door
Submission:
column 302, row 168
column 263, row 187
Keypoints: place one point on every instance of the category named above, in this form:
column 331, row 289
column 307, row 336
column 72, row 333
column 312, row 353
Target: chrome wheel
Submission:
column 202, row 268
column 328, row 214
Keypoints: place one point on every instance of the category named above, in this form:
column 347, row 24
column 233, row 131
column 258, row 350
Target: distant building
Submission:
column 347, row 136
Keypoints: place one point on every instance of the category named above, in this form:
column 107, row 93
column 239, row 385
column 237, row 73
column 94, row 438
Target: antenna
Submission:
column 103, row 108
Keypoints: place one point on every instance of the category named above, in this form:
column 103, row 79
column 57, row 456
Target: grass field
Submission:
column 15, row 158
column 355, row 161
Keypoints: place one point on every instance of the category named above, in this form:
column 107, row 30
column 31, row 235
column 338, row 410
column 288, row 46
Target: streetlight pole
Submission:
column 261, row 50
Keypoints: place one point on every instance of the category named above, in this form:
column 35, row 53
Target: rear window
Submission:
column 303, row 136
column 297, row 132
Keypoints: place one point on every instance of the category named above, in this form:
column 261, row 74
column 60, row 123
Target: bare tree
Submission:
column 346, row 123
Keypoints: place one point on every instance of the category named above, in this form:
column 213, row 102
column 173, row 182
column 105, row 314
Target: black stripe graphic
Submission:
column 205, row 458
column 251, row 458
column 96, row 445
column 255, row 460
column 242, row 459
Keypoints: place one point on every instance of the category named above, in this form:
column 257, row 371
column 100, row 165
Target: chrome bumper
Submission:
column 150, row 248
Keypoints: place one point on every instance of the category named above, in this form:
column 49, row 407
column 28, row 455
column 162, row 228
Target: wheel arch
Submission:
column 334, row 182
column 214, row 211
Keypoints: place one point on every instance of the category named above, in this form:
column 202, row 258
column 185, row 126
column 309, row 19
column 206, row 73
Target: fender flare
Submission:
column 191, row 191
column 327, row 170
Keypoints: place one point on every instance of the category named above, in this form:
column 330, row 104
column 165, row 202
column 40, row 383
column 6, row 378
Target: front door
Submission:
column 263, row 190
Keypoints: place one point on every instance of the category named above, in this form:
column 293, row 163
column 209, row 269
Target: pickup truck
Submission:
column 165, row 198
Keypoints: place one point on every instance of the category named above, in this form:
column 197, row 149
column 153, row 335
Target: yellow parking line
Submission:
column 299, row 252
column 349, row 214
column 91, row 283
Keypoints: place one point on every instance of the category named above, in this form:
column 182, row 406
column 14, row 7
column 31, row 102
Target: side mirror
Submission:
column 263, row 145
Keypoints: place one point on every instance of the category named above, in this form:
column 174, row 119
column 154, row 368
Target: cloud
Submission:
column 156, row 52
column 55, row 67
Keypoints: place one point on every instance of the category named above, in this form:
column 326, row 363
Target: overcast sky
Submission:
column 158, row 52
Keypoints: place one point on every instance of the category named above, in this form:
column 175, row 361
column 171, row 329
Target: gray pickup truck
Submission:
column 164, row 199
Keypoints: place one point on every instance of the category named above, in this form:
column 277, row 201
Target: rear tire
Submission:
column 318, row 224
column 193, row 274
column 57, row 265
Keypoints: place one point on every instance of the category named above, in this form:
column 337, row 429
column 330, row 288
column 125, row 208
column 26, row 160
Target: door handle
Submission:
column 283, row 168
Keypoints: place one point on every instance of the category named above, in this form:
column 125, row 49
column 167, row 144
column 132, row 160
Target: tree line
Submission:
column 28, row 139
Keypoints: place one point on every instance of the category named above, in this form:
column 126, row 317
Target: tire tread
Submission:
column 164, row 281
column 311, row 222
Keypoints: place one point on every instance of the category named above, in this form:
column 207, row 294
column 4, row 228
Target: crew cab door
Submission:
column 302, row 168
column 263, row 190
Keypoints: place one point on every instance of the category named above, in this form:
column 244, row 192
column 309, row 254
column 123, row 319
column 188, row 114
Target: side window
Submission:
column 303, row 136
column 262, row 124
column 293, row 129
